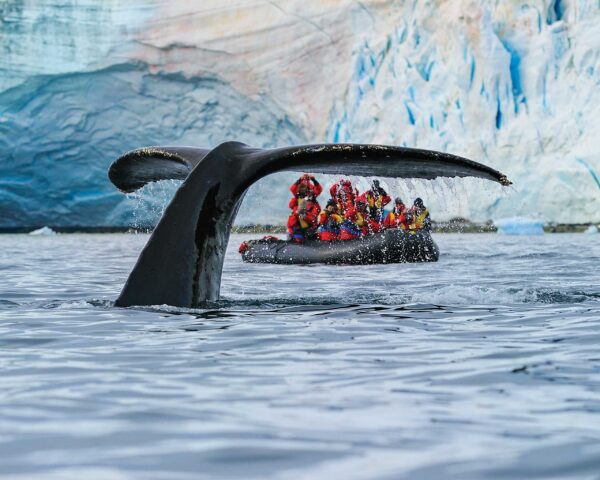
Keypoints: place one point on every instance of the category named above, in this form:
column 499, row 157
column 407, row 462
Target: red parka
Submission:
column 313, row 190
column 396, row 219
column 329, row 226
column 304, row 216
column 344, row 194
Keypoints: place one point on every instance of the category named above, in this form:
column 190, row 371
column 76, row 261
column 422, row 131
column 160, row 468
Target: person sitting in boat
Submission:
column 397, row 218
column 306, row 186
column 329, row 222
column 302, row 223
column 353, row 224
column 376, row 198
column 418, row 217
column 344, row 194
column 361, row 207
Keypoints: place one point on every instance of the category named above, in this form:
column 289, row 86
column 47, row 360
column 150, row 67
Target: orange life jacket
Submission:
column 395, row 221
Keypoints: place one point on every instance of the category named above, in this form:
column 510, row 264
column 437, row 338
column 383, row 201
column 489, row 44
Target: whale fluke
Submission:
column 182, row 262
column 144, row 165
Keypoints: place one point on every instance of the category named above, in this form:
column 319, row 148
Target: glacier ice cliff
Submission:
column 57, row 143
column 511, row 83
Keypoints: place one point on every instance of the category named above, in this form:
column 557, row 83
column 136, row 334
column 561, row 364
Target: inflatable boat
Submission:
column 390, row 246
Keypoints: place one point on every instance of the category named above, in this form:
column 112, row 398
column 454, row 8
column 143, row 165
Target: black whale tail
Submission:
column 182, row 262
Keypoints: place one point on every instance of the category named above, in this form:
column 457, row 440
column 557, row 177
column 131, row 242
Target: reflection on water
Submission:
column 484, row 365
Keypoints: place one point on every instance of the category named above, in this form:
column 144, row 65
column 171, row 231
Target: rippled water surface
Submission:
column 483, row 365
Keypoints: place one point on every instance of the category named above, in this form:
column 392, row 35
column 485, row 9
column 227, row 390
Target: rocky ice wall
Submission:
column 510, row 83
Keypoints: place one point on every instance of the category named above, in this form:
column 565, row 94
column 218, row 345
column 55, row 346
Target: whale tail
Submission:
column 182, row 262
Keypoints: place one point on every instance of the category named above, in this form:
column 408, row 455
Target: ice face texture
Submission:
column 512, row 84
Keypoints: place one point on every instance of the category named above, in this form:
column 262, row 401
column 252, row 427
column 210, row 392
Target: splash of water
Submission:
column 150, row 202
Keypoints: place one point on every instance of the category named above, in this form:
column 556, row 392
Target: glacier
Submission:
column 513, row 84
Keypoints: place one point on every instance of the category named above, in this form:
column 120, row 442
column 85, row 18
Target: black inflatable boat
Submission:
column 390, row 246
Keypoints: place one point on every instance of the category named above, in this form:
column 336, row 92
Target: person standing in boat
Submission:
column 397, row 217
column 329, row 222
column 375, row 199
column 419, row 218
column 344, row 194
column 302, row 223
column 308, row 187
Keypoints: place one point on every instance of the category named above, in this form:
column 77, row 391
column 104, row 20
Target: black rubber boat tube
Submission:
column 391, row 246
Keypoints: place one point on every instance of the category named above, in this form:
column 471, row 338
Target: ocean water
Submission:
column 485, row 365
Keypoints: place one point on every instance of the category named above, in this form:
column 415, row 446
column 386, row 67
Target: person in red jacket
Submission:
column 306, row 186
column 329, row 222
column 397, row 218
column 344, row 194
column 375, row 199
column 353, row 224
column 302, row 223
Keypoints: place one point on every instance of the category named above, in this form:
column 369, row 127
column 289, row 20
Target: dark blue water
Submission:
column 483, row 365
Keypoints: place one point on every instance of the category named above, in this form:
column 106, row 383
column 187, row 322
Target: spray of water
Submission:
column 150, row 202
column 446, row 198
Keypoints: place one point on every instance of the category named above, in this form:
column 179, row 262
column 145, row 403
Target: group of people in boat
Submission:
column 348, row 214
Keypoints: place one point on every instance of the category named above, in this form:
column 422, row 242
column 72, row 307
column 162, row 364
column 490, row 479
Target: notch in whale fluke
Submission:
column 182, row 262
